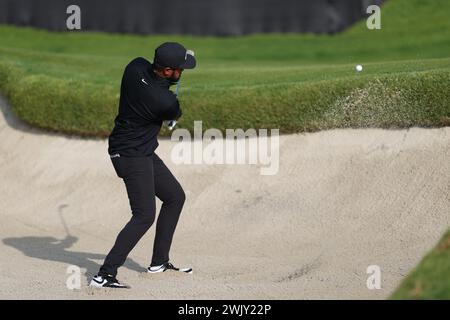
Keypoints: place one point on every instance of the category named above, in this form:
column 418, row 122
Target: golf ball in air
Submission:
column 359, row 68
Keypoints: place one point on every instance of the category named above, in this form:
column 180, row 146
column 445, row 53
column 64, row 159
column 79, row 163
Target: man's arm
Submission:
column 171, row 109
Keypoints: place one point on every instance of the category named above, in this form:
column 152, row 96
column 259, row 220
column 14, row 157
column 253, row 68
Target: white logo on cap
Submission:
column 190, row 52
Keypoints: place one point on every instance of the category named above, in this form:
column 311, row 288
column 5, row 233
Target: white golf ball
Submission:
column 359, row 68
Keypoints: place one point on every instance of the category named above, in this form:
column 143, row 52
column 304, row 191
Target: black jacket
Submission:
column 145, row 101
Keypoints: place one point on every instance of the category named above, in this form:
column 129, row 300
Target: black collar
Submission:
column 163, row 82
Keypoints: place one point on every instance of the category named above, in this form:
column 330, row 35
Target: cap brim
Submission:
column 190, row 62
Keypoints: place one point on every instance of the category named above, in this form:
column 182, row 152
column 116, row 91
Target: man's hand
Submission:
column 170, row 123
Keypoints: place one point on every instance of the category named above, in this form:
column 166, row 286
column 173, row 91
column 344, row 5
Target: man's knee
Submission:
column 146, row 220
column 176, row 196
column 181, row 196
column 145, row 215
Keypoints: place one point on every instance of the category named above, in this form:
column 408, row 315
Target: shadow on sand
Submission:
column 52, row 249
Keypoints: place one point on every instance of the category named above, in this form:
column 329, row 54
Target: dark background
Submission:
column 196, row 17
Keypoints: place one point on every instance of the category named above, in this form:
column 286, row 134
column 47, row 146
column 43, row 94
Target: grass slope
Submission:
column 70, row 81
column 430, row 279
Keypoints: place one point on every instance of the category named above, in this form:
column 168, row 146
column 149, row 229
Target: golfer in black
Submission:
column 145, row 104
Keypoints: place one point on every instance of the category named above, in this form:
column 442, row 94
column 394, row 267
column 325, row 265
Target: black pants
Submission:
column 144, row 178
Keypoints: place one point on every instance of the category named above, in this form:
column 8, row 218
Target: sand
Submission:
column 342, row 200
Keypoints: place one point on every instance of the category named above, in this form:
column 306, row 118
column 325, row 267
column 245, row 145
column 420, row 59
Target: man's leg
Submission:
column 170, row 192
column 137, row 174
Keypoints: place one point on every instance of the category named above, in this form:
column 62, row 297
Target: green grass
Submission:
column 69, row 81
column 431, row 278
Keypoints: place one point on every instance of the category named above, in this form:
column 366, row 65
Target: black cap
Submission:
column 174, row 55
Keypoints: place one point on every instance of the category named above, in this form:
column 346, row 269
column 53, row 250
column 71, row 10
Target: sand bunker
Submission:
column 343, row 200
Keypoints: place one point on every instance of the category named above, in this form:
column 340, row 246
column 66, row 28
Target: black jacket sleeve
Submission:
column 171, row 109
